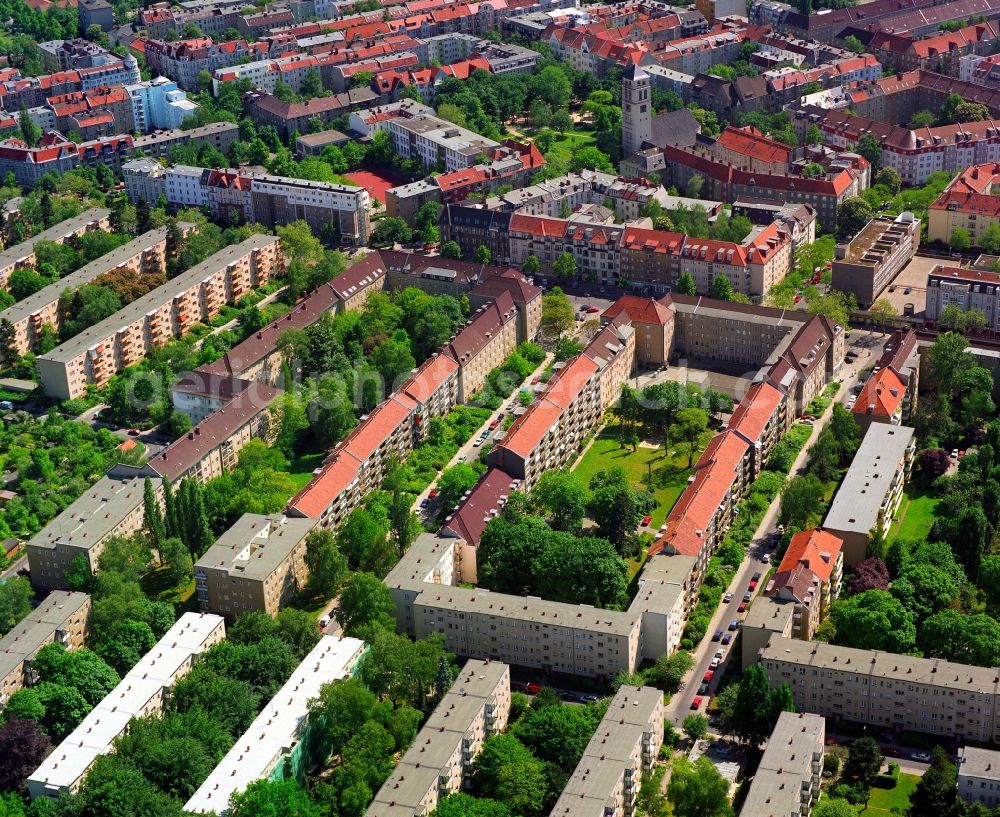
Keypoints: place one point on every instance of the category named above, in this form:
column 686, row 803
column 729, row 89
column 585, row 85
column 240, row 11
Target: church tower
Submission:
column 637, row 110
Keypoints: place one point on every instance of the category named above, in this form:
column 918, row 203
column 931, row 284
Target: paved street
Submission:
column 680, row 705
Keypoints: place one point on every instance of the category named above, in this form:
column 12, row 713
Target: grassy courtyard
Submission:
column 669, row 474
column 915, row 516
column 891, row 801
column 301, row 468
column 566, row 144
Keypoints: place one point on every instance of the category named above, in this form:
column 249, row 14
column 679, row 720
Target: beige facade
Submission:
column 966, row 289
column 256, row 565
column 23, row 254
column 881, row 689
column 61, row 618
column 867, row 263
column 484, row 344
column 142, row 255
column 439, row 761
column 606, row 781
column 169, row 311
column 787, row 781
column 110, row 507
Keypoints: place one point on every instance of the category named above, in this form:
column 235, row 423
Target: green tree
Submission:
column 591, row 158
column 757, row 706
column 58, row 709
column 327, row 565
column 365, row 601
column 507, row 771
column 689, row 425
column 532, row 266
column 31, row 133
column 465, row 805
column 800, row 500
column 616, row 507
column 126, row 645
column 557, row 312
column 564, row 266
column 834, row 807
column 669, row 670
column 936, row 793
column 960, row 239
column 698, row 790
column 864, row 761
column 451, row 249
column 452, row 485
column 15, row 602
column 425, row 222
column 153, row 515
column 685, row 284
column 483, row 254
column 869, row 147
column 274, row 798
column 363, row 539
column 561, row 495
column 82, row 670
column 874, row 620
column 558, row 734
column 695, row 727
column 722, row 288
column 390, row 231
column 889, row 178
column 852, row 215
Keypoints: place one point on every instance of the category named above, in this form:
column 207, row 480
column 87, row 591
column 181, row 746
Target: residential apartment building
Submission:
column 966, row 204
column 61, row 617
column 112, row 506
column 275, row 746
column 168, row 311
column 54, row 154
column 798, row 220
column 142, row 255
column 488, row 337
column 882, row 399
column 440, row 759
column 291, row 117
column 143, row 691
column 183, row 60
column 788, row 779
column 885, row 690
column 219, row 135
column 256, row 565
column 22, row 254
column 437, row 143
column 872, row 489
column 965, row 288
column 979, row 776
column 653, row 323
column 867, row 264
column 158, row 104
column 606, row 781
column 548, row 434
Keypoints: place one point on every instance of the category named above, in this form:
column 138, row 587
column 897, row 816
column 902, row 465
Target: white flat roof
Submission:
column 61, row 770
column 278, row 726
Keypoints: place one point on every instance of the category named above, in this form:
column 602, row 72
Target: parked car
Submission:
column 587, row 699
column 747, row 596
column 478, row 442
column 536, row 380
column 424, row 503
column 646, row 520
column 715, row 663
column 703, row 689
column 717, row 636
column 727, row 598
column 720, row 654
column 742, row 608
column 756, row 576
column 494, row 424
column 708, row 677
column 734, row 624
column 727, row 639
column 766, row 558
column 533, row 687
column 753, row 585
column 906, row 291
column 923, row 757
column 696, row 703
column 591, row 310
column 433, row 493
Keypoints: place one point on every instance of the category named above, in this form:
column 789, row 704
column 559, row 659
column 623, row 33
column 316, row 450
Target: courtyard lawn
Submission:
column 915, row 516
column 564, row 145
column 891, row 801
column 670, row 474
column 301, row 468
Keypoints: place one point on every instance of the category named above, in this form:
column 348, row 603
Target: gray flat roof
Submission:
column 84, row 275
column 855, row 507
column 254, row 546
column 37, row 628
column 55, row 233
column 981, row 763
column 155, row 299
column 97, row 511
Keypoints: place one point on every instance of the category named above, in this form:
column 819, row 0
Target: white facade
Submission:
column 184, row 187
column 159, row 105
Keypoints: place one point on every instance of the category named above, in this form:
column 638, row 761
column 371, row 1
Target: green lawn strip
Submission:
column 301, row 468
column 670, row 474
column 883, row 801
column 915, row 516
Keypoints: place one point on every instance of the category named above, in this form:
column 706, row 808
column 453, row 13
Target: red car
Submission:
column 646, row 520
column 742, row 608
column 433, row 494
column 533, row 688
column 495, row 423
column 696, row 703
column 591, row 310
column 753, row 585
column 708, row 677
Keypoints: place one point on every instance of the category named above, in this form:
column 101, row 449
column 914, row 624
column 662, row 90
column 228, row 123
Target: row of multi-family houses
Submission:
column 22, row 254
column 17, row 92
column 145, row 255
column 254, row 198
column 99, row 352
column 143, row 691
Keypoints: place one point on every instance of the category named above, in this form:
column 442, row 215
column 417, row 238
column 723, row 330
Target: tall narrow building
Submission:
column 637, row 113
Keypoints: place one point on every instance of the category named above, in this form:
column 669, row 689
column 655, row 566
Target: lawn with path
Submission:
column 915, row 516
column 891, row 801
column 669, row 474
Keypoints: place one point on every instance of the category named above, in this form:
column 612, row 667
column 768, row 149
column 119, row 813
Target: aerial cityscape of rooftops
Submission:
column 505, row 408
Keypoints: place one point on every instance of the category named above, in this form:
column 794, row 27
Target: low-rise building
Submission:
column 143, row 691
column 440, row 759
column 866, row 265
column 275, row 746
column 606, row 781
column 882, row 400
column 22, row 254
column 979, row 776
column 256, row 565
column 169, row 311
column 110, row 507
column 787, row 781
column 61, row 618
column 872, row 489
column 143, row 255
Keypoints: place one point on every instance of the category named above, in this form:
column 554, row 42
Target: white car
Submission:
column 727, row 598
column 478, row 442
column 766, row 558
column 714, row 664
column 720, row 654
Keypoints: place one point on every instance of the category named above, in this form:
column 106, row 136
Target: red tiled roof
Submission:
column 814, row 549
column 751, row 142
column 755, row 410
column 881, row 396
column 429, row 377
column 484, row 503
column 640, row 310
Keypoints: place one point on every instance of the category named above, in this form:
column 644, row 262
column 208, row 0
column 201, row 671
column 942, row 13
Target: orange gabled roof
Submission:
column 640, row 310
column 566, row 385
column 881, row 396
column 429, row 377
column 814, row 549
column 655, row 241
column 531, row 427
column 755, row 410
